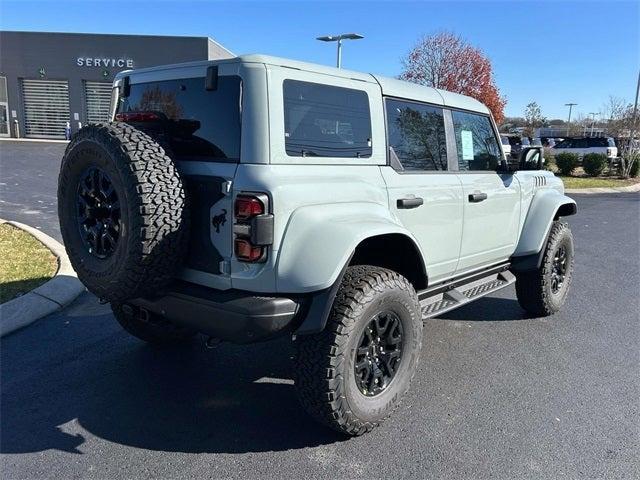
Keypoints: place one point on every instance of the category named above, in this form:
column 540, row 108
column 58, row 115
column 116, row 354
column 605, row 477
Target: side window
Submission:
column 416, row 135
column 476, row 141
column 326, row 121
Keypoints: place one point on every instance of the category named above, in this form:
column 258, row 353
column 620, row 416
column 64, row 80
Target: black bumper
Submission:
column 232, row 315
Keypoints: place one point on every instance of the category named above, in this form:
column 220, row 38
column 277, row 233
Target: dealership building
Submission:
column 51, row 81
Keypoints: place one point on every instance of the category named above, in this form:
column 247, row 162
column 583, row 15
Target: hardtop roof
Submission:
column 390, row 86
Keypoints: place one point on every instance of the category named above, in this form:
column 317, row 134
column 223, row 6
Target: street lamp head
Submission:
column 342, row 36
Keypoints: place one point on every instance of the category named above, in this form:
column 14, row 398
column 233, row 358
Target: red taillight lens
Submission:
column 247, row 252
column 137, row 117
column 253, row 227
column 247, row 207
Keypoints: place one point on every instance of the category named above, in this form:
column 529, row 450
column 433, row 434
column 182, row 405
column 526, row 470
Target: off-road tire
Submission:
column 534, row 288
column 153, row 329
column 324, row 370
column 154, row 215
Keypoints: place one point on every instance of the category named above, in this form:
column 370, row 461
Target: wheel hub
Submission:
column 558, row 269
column 98, row 212
column 378, row 354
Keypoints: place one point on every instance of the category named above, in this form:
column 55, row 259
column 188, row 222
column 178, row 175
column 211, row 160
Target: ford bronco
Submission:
column 254, row 197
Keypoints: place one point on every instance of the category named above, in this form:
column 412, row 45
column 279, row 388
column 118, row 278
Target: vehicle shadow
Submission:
column 235, row 399
column 488, row 309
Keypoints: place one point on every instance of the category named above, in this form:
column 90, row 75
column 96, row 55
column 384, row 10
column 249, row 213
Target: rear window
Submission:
column 326, row 121
column 196, row 123
column 599, row 142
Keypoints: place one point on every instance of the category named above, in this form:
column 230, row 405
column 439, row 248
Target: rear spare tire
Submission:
column 122, row 211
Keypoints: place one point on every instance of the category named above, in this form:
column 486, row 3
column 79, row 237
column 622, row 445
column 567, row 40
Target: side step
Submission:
column 459, row 295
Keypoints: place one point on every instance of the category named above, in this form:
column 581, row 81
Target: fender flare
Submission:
column 319, row 241
column 321, row 275
column 546, row 207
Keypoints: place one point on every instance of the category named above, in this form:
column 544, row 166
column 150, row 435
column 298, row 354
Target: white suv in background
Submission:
column 585, row 145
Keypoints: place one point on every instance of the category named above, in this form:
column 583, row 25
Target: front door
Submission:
column 423, row 194
column 491, row 200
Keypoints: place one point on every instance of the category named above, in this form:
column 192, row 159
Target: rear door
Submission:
column 491, row 200
column 200, row 129
column 423, row 193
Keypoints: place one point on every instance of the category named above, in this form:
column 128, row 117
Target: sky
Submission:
column 551, row 52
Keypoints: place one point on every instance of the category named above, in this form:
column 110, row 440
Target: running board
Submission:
column 457, row 296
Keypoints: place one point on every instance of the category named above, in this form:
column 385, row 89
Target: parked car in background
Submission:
column 506, row 146
column 583, row 145
column 516, row 143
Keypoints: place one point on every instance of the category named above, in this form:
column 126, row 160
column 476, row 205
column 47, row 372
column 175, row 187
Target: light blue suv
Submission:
column 258, row 196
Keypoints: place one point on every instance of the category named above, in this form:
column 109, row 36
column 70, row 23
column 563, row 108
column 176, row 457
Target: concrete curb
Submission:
column 50, row 297
column 630, row 188
column 32, row 140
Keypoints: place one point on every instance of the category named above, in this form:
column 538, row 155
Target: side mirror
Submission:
column 531, row 158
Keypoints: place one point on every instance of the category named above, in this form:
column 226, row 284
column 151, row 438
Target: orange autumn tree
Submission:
column 448, row 62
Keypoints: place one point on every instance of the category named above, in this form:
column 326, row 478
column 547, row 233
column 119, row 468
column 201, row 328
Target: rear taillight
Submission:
column 137, row 117
column 253, row 228
column 609, row 152
column 248, row 206
column 247, row 252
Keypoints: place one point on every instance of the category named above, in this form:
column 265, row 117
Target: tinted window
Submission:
column 525, row 142
column 196, row 123
column 504, row 140
column 476, row 141
column 611, row 142
column 567, row 143
column 326, row 121
column 416, row 135
column 598, row 142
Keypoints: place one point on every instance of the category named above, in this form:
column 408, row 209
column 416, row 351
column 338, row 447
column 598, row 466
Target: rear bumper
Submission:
column 234, row 316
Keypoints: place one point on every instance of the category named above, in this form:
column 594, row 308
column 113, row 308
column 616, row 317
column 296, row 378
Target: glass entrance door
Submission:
column 4, row 119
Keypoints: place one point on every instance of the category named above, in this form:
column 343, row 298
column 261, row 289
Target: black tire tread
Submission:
column 160, row 223
column 319, row 384
column 531, row 287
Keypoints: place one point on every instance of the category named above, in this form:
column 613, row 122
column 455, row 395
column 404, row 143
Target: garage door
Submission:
column 46, row 107
column 97, row 98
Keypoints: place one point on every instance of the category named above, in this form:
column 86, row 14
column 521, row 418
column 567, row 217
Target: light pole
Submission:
column 570, row 105
column 339, row 38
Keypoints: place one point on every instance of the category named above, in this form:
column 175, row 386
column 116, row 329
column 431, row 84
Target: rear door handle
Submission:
column 412, row 202
column 477, row 197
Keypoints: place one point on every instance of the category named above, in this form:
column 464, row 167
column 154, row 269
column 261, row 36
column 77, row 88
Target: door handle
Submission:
column 477, row 197
column 412, row 202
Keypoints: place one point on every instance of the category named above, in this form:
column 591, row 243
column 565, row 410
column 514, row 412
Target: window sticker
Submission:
column 467, row 144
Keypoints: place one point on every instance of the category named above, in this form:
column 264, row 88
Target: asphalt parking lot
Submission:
column 497, row 394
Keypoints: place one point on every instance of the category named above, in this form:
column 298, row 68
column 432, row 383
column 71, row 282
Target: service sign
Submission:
column 102, row 62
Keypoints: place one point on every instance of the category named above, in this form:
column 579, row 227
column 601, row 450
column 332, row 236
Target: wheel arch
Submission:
column 546, row 207
column 377, row 251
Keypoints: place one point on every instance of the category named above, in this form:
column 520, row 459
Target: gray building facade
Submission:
column 51, row 82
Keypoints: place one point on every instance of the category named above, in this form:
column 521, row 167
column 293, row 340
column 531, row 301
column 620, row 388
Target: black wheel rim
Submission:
column 98, row 212
column 378, row 354
column 559, row 269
